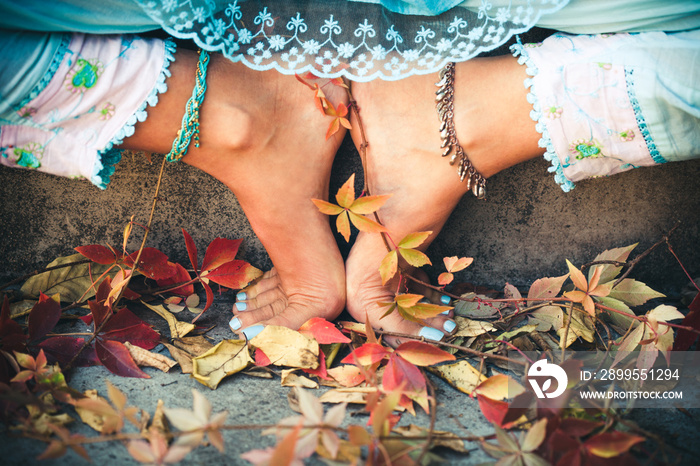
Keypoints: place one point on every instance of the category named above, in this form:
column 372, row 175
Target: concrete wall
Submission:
column 523, row 231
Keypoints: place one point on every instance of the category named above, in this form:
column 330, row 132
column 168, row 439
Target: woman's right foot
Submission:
column 403, row 158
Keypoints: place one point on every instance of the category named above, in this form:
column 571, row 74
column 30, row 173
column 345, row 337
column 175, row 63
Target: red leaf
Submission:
column 43, row 317
column 261, row 358
column 366, row 355
column 494, row 410
column 321, row 371
column 152, row 263
column 99, row 307
column 191, row 250
column 400, row 374
column 61, row 349
column 234, row 274
column 685, row 338
column 323, row 331
column 219, row 252
column 117, row 360
column 578, row 427
column 98, row 253
column 423, row 354
column 611, row 444
column 125, row 326
column 180, row 276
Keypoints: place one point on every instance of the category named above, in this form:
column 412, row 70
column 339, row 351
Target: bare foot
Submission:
column 263, row 137
column 403, row 157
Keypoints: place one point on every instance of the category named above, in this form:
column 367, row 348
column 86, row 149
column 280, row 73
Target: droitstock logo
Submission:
column 546, row 372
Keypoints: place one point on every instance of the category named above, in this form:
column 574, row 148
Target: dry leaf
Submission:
column 439, row 438
column 226, row 358
column 182, row 357
column 160, row 422
column 89, row 417
column 196, row 346
column 178, row 329
column 286, row 347
column 581, row 326
column 347, row 395
column 461, row 375
column 144, row 357
column 291, row 379
column 472, row 328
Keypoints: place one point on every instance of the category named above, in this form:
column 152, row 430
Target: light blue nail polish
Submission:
column 444, row 299
column 242, row 296
column 431, row 333
column 235, row 324
column 449, row 326
column 252, row 332
column 241, row 306
column 446, row 312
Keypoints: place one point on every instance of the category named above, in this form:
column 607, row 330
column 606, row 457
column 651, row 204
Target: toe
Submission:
column 269, row 281
column 261, row 300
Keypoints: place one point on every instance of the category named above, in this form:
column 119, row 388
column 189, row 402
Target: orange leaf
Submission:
column 577, row 277
column 414, row 257
column 326, row 207
column 611, row 444
column 346, row 193
column 365, row 224
column 413, row 240
column 347, row 375
column 453, row 264
column 404, row 377
column 323, row 331
column 284, row 451
column 423, row 354
column 333, row 128
column 495, row 387
column 367, row 354
column 342, row 224
column 303, row 80
column 408, row 299
column 421, row 311
column 445, row 278
column 369, row 204
column 388, row 267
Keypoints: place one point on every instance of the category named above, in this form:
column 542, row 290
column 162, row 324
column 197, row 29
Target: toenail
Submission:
column 431, row 333
column 444, row 299
column 446, row 312
column 242, row 296
column 449, row 326
column 252, row 332
column 241, row 306
column 235, row 324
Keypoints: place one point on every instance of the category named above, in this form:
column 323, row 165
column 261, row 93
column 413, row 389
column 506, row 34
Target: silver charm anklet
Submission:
column 445, row 107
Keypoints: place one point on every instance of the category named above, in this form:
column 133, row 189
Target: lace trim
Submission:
column 53, row 67
column 641, row 121
column 108, row 157
column 518, row 50
column 279, row 37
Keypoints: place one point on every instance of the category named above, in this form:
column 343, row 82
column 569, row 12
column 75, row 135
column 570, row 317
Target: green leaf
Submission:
column 414, row 240
column 634, row 293
column 609, row 270
column 547, row 318
column 70, row 281
column 619, row 320
column 414, row 257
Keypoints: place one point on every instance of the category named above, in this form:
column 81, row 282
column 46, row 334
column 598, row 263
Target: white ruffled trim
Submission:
column 518, row 50
column 103, row 171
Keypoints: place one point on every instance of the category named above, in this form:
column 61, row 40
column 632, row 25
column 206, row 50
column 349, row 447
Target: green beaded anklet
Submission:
column 190, row 120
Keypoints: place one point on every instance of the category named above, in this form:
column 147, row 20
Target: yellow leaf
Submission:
column 346, row 193
column 178, row 329
column 196, row 346
column 342, row 224
column 182, row 357
column 581, row 327
column 291, row 379
column 365, row 224
column 326, row 207
column 414, row 257
column 499, row 387
column 143, row 357
column 224, row 359
column 388, row 267
column 287, row 347
column 461, row 375
column 413, row 240
column 369, row 204
column 472, row 328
